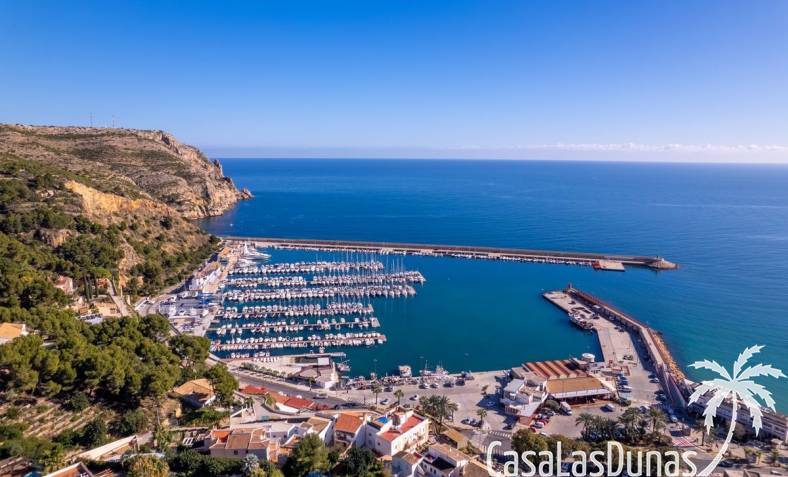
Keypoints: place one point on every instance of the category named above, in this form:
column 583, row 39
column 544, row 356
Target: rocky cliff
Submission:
column 129, row 163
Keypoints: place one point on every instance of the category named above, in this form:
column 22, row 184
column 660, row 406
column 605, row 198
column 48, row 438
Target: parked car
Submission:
column 415, row 397
column 608, row 407
column 385, row 401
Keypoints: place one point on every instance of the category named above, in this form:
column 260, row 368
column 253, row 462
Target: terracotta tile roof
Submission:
column 195, row 386
column 555, row 369
column 255, row 390
column 348, row 423
column 412, row 422
column 240, row 439
column 299, row 403
column 411, row 458
column 317, row 424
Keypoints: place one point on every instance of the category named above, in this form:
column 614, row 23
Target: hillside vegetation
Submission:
column 72, row 207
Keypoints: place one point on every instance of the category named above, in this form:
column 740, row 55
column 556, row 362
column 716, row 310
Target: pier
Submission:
column 586, row 308
column 599, row 261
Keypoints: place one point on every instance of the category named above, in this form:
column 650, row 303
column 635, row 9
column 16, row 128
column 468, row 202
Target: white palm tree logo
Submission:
column 738, row 386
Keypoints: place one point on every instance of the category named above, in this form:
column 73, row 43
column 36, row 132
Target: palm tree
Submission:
column 269, row 400
column 657, row 418
column 701, row 428
column 482, row 413
column 629, row 421
column 588, row 422
column 376, row 389
column 774, row 455
column 399, row 394
column 737, row 385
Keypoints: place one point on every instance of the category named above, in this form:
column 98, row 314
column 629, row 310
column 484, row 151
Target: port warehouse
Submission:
column 464, row 251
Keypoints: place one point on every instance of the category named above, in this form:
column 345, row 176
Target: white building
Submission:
column 396, row 432
column 775, row 425
column 522, row 397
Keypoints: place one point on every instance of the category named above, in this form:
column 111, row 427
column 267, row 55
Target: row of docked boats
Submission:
column 271, row 282
column 376, row 279
column 308, row 267
column 283, row 294
column 311, row 341
column 318, row 280
column 297, row 311
column 292, row 326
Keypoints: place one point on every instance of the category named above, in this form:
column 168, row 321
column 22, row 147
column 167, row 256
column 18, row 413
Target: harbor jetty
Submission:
column 599, row 261
column 589, row 312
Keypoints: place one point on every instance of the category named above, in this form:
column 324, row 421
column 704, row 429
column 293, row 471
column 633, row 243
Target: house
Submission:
column 65, row 284
column 75, row 470
column 348, row 428
column 396, row 432
column 318, row 425
column 12, row 331
column 406, row 464
column 111, row 452
column 238, row 443
column 107, row 309
column 291, row 404
column 443, row 461
column 197, row 393
column 454, row 438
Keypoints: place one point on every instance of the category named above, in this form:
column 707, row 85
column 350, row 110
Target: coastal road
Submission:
column 247, row 378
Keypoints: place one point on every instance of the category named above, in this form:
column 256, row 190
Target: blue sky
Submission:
column 684, row 80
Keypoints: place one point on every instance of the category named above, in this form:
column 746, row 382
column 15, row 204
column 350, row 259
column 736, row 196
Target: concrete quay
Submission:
column 599, row 261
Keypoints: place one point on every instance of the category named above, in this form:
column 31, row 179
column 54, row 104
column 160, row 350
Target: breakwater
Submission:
column 600, row 261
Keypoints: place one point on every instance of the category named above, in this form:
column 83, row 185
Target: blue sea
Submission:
column 725, row 225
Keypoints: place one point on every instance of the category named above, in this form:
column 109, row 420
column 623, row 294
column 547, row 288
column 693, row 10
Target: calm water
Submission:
column 726, row 225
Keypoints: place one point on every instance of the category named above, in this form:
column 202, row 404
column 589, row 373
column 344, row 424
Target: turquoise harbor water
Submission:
column 726, row 225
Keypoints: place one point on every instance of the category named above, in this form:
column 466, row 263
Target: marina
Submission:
column 267, row 309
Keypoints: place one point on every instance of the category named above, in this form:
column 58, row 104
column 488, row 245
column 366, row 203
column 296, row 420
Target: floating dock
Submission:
column 600, row 261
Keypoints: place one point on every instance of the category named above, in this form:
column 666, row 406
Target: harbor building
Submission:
column 570, row 380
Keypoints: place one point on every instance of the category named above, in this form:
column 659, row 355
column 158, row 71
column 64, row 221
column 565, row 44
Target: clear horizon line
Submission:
column 586, row 152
